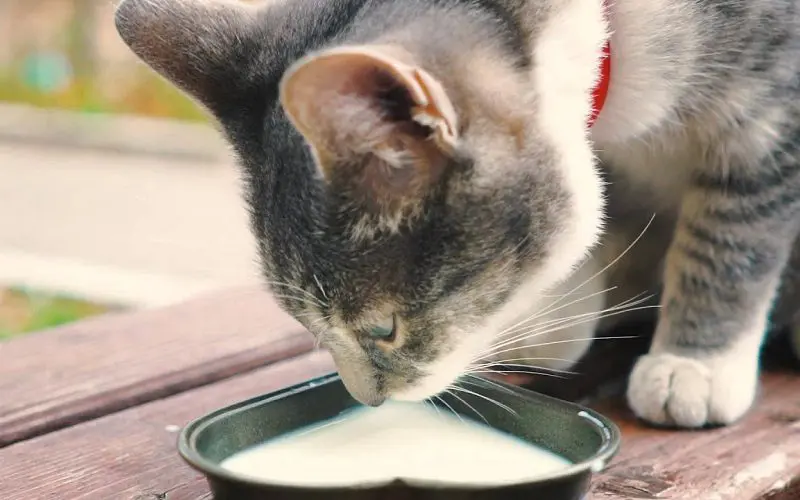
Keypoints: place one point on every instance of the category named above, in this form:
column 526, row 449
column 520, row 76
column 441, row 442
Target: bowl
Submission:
column 584, row 437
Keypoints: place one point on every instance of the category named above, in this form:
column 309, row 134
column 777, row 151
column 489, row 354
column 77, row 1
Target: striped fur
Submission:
column 701, row 128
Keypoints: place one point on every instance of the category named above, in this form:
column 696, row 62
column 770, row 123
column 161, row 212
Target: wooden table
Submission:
column 91, row 411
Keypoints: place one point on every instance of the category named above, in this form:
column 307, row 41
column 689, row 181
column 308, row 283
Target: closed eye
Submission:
column 384, row 330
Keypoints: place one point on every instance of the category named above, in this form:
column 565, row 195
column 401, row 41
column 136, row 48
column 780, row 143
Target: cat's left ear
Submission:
column 373, row 104
column 192, row 43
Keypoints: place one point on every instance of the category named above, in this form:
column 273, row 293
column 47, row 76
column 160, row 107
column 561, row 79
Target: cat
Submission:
column 428, row 194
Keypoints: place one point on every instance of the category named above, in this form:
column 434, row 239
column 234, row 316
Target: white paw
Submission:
column 665, row 389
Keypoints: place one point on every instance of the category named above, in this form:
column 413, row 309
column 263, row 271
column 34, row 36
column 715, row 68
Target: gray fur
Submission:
column 726, row 186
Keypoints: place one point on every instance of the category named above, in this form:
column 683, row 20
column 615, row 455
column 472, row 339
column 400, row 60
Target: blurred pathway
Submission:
column 139, row 229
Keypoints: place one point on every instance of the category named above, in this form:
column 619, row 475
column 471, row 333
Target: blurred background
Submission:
column 115, row 190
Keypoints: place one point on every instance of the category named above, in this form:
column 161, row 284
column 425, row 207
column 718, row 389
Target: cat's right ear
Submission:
column 378, row 124
column 192, row 43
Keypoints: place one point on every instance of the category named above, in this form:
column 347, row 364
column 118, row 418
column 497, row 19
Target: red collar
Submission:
column 600, row 91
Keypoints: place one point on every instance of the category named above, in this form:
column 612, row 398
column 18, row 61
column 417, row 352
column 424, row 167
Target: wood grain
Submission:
column 758, row 458
column 131, row 455
column 58, row 378
column 114, row 364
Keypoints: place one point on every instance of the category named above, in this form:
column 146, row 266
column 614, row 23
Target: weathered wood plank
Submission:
column 57, row 378
column 131, row 455
column 757, row 458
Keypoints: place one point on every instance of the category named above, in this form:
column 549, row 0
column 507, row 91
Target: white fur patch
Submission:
column 566, row 69
column 639, row 97
column 446, row 369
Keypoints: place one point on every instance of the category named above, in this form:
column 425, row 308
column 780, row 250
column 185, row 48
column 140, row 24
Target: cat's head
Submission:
column 415, row 180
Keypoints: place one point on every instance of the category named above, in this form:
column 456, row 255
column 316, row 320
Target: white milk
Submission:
column 396, row 440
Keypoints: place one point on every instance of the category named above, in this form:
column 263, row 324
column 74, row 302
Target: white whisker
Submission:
column 302, row 290
column 556, row 342
column 319, row 285
column 511, row 364
column 526, row 372
column 610, row 264
column 483, row 379
column 512, row 329
column 545, row 324
column 566, row 323
column 450, row 408
column 563, row 323
column 487, row 398
column 489, row 364
column 435, row 406
column 579, row 320
column 300, row 300
column 606, row 268
column 453, row 388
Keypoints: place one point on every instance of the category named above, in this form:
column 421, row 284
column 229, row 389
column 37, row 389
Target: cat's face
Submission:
column 404, row 214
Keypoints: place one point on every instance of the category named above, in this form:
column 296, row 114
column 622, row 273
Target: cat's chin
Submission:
column 417, row 393
column 429, row 385
column 425, row 388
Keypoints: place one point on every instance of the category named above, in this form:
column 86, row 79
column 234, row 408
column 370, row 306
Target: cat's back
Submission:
column 738, row 91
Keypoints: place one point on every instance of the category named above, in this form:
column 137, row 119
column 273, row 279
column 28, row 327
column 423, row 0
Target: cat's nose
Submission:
column 362, row 389
column 360, row 380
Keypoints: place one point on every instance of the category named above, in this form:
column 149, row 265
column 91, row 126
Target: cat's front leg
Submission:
column 722, row 271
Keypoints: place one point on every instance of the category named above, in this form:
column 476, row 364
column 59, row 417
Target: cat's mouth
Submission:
column 373, row 385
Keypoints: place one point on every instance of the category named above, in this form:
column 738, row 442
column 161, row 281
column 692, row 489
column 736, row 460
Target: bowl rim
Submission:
column 608, row 431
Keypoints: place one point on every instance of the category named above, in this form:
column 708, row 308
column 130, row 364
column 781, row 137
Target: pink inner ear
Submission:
column 357, row 99
column 360, row 113
column 361, row 80
column 346, row 103
column 322, row 82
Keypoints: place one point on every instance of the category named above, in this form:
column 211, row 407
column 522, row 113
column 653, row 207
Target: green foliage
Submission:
column 23, row 311
column 147, row 95
column 58, row 64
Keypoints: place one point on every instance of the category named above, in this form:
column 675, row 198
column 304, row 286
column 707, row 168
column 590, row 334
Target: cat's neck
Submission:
column 650, row 43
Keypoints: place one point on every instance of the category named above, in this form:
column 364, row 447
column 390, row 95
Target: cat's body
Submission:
column 421, row 176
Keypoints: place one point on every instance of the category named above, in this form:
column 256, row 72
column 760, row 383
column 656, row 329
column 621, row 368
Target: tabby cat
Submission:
column 428, row 195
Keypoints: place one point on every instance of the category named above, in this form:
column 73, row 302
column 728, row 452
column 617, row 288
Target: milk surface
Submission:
column 397, row 440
